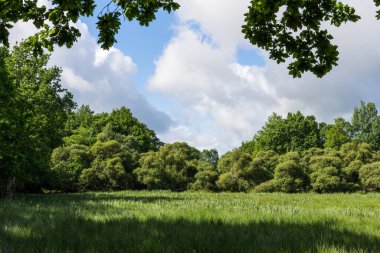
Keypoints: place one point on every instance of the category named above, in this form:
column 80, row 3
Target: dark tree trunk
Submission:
column 10, row 188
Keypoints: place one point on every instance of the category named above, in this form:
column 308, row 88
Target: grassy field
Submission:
column 190, row 222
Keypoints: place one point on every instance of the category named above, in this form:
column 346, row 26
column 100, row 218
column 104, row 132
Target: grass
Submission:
column 144, row 221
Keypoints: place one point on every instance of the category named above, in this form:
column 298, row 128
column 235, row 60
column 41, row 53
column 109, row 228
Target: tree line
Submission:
column 48, row 144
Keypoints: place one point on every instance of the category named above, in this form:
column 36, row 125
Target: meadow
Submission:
column 161, row 221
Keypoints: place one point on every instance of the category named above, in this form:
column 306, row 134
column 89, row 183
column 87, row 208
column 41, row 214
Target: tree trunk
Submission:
column 10, row 188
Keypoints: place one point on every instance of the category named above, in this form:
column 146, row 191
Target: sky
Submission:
column 191, row 76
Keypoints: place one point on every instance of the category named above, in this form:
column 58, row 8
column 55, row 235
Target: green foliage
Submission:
column 326, row 180
column 350, row 175
column 337, row 134
column 293, row 30
column 370, row 176
column 240, row 172
column 290, row 177
column 295, row 133
column 56, row 24
column 211, row 156
column 366, row 125
column 325, row 171
column 205, row 178
column 268, row 186
column 173, row 167
column 106, row 174
column 270, row 158
column 34, row 109
column 67, row 165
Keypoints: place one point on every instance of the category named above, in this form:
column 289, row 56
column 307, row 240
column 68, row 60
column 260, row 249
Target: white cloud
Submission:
column 220, row 102
column 102, row 79
column 75, row 82
column 234, row 100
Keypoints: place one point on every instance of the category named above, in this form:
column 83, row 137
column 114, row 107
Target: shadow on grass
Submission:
column 66, row 233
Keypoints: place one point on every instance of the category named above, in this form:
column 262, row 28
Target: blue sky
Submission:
column 191, row 76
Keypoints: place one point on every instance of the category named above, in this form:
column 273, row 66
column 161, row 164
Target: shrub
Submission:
column 93, row 180
column 268, row 186
column 205, row 178
column 370, row 177
column 172, row 167
column 231, row 181
column 67, row 165
column 290, row 177
column 326, row 180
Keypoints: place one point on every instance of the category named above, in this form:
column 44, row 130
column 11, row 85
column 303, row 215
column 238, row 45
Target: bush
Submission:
column 92, row 180
column 244, row 173
column 205, row 178
column 370, row 177
column 67, row 165
column 326, row 180
column 290, row 177
column 268, row 186
column 172, row 167
column 117, row 178
column 320, row 162
column 231, row 181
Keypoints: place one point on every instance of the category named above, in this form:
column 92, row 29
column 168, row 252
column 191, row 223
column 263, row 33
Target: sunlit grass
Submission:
column 190, row 222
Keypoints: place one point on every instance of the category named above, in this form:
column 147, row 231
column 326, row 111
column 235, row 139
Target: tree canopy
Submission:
column 56, row 23
column 34, row 110
column 295, row 31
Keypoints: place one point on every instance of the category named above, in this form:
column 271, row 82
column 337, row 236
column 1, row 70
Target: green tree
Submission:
column 370, row 176
column 211, row 156
column 37, row 109
column 325, row 171
column 172, row 167
column 289, row 176
column 109, row 168
column 205, row 178
column 295, row 133
column 293, row 30
column 56, row 24
column 366, row 124
column 337, row 134
column 240, row 172
column 67, row 165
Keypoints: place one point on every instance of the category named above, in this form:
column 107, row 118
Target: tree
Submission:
column 293, row 30
column 8, row 151
column 172, row 167
column 240, row 172
column 205, row 178
column 325, row 171
column 290, row 177
column 55, row 24
column 67, row 165
column 370, row 176
column 337, row 134
column 211, row 156
column 366, row 125
column 294, row 133
column 33, row 114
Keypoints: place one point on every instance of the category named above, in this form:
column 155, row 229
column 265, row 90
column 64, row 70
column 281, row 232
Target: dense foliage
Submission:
column 297, row 31
column 44, row 144
column 33, row 111
column 100, row 151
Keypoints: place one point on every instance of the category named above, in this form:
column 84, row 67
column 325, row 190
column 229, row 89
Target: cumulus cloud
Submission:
column 102, row 79
column 228, row 102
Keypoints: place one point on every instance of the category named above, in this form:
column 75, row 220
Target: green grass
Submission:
column 190, row 222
